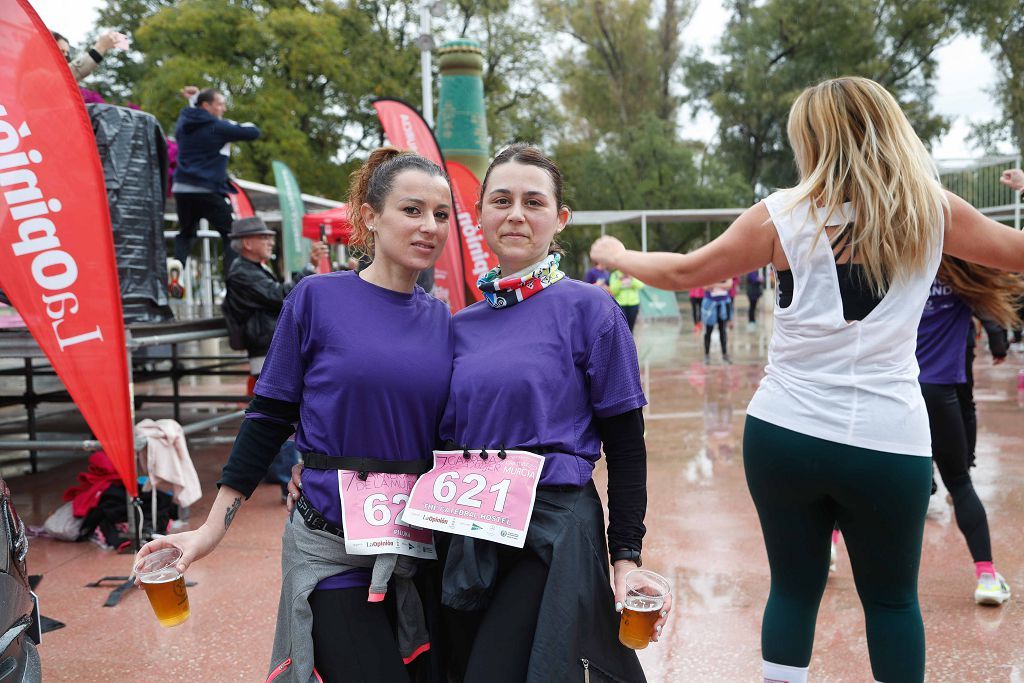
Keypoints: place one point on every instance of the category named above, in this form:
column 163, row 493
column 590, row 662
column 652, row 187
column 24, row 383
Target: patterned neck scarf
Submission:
column 504, row 292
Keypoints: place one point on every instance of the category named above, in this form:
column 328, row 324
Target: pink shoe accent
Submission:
column 984, row 568
column 835, row 535
column 376, row 597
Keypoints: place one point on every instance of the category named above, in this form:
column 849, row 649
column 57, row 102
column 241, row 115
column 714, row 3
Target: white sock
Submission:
column 780, row 673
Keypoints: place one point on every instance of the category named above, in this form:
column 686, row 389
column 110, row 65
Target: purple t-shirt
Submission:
column 942, row 337
column 370, row 370
column 536, row 374
column 595, row 274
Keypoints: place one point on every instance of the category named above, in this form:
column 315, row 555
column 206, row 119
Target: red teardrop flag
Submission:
column 56, row 245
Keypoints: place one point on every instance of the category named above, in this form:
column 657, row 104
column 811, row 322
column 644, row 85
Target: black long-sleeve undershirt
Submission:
column 267, row 425
column 626, row 456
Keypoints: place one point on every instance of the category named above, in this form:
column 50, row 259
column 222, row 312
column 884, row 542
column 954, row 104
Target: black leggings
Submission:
column 723, row 337
column 802, row 486
column 965, row 394
column 695, row 303
column 192, row 206
column 494, row 645
column 354, row 640
column 951, row 454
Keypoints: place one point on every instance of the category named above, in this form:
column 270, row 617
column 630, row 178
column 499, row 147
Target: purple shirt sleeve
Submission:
column 613, row 369
column 281, row 377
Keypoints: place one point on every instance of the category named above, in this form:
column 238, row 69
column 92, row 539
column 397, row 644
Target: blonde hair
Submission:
column 372, row 182
column 853, row 143
column 991, row 294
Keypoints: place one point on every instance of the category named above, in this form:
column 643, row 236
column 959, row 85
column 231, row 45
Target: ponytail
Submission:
column 991, row 294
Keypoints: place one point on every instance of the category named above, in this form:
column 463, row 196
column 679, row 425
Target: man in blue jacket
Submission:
column 201, row 185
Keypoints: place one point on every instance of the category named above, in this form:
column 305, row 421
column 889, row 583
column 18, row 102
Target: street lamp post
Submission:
column 426, row 44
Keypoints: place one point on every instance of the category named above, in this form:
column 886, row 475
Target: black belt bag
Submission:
column 313, row 519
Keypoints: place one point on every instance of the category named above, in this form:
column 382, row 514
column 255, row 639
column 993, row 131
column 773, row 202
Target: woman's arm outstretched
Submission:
column 748, row 244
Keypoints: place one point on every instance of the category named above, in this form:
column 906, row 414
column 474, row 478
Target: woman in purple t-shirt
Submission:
column 960, row 290
column 361, row 364
column 545, row 364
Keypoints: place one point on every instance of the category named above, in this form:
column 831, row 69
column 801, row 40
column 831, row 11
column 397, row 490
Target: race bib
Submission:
column 371, row 513
column 489, row 499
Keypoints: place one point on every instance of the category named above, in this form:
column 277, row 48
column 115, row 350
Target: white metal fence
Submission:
column 977, row 181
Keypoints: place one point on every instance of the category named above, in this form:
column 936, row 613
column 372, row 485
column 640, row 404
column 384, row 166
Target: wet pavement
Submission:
column 702, row 533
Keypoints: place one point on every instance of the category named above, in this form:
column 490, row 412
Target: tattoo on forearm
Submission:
column 230, row 514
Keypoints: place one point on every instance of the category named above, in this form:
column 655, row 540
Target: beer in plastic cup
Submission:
column 645, row 596
column 164, row 585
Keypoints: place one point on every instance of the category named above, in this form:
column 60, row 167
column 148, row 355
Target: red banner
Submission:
column 241, row 205
column 477, row 257
column 406, row 129
column 56, row 245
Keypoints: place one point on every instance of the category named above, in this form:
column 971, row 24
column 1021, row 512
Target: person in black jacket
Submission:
column 201, row 186
column 254, row 292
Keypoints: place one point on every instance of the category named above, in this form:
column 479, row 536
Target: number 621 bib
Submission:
column 371, row 514
column 489, row 499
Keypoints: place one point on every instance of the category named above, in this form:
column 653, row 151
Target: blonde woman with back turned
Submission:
column 838, row 431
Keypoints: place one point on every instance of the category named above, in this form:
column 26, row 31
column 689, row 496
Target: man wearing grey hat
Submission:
column 252, row 305
column 255, row 293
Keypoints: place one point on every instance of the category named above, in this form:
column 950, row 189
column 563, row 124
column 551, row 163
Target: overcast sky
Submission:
column 965, row 71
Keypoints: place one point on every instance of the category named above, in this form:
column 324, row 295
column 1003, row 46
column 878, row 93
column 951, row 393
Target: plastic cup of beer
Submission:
column 164, row 585
column 645, row 596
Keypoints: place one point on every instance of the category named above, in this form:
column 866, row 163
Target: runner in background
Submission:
column 959, row 289
column 838, row 430
column 597, row 275
column 626, row 291
column 360, row 363
column 716, row 309
column 696, row 299
column 754, row 284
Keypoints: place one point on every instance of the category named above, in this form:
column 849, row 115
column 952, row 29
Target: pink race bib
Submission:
column 489, row 499
column 371, row 512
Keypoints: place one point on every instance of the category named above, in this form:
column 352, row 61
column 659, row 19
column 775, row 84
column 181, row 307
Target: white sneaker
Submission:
column 991, row 590
column 833, row 557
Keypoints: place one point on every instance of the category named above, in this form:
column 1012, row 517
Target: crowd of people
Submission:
column 879, row 274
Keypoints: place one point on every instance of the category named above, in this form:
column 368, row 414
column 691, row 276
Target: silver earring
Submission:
column 370, row 228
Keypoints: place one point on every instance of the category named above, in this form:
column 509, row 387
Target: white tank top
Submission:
column 852, row 383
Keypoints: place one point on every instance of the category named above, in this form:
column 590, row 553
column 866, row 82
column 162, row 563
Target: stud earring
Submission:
column 370, row 228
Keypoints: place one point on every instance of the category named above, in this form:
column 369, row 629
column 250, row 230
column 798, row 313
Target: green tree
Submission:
column 649, row 169
column 621, row 148
column 123, row 70
column 515, row 67
column 303, row 71
column 1000, row 23
column 772, row 50
column 626, row 60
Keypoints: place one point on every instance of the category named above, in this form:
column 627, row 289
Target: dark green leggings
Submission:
column 802, row 486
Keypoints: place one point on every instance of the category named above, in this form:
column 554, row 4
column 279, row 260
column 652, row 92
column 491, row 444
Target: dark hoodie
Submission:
column 201, row 137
